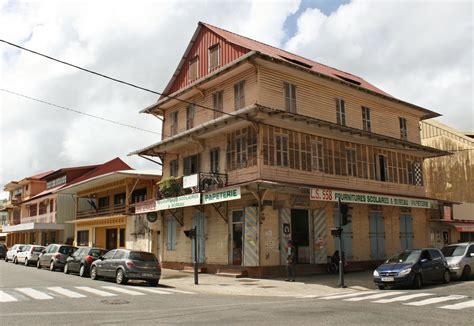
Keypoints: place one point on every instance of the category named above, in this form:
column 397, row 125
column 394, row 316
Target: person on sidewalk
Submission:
column 290, row 250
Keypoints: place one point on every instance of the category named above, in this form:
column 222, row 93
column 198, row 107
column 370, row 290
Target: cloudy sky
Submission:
column 418, row 51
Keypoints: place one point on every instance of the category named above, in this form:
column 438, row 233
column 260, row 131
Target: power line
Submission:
column 119, row 80
column 79, row 112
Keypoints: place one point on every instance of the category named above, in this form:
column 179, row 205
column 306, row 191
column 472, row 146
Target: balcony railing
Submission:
column 211, row 181
column 103, row 211
column 43, row 218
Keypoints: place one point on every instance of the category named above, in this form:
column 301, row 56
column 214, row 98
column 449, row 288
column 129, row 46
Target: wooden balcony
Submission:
column 43, row 218
column 103, row 211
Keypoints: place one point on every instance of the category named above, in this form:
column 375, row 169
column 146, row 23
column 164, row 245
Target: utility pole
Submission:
column 192, row 234
column 343, row 209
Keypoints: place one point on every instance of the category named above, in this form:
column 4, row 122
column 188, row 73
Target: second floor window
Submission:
column 119, row 199
column 103, row 202
column 174, row 123
column 403, row 128
column 366, row 118
column 218, row 103
column 190, row 116
column 281, row 150
column 33, row 209
column 317, row 156
column 213, row 57
column 340, row 112
column 290, row 97
column 193, row 69
column 51, row 205
column 214, row 160
column 191, row 164
column 43, row 207
column 174, row 168
column 351, row 162
column 138, row 195
column 239, row 97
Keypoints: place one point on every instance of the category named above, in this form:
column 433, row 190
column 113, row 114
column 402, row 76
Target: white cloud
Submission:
column 140, row 42
column 421, row 52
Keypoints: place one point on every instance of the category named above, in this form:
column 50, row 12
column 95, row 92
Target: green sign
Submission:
column 178, row 202
column 220, row 195
column 371, row 199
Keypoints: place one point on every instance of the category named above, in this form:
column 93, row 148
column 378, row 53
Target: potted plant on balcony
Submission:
column 170, row 187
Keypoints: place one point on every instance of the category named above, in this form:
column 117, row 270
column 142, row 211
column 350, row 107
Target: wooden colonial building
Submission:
column 263, row 142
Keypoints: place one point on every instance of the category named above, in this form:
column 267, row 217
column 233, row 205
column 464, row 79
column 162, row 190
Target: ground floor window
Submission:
column 122, row 238
column 82, row 238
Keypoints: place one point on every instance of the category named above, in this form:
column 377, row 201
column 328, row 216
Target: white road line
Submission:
column 66, row 292
column 35, row 294
column 403, row 298
column 176, row 291
column 374, row 296
column 122, row 290
column 96, row 291
column 435, row 300
column 5, row 297
column 152, row 290
column 459, row 306
column 349, row 295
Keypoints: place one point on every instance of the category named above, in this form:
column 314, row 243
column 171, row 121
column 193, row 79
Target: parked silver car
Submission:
column 124, row 265
column 11, row 254
column 55, row 256
column 29, row 255
column 460, row 257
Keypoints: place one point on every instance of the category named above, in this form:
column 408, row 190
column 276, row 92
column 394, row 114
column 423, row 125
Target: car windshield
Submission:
column 38, row 249
column 453, row 251
column 97, row 252
column 142, row 256
column 66, row 250
column 405, row 257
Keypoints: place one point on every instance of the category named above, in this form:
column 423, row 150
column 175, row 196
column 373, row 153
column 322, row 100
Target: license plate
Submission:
column 388, row 279
column 147, row 275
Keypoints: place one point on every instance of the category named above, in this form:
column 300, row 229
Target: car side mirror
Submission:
column 471, row 254
column 424, row 260
column 43, row 251
column 101, row 258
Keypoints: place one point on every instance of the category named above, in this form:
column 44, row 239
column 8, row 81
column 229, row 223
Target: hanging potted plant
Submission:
column 170, row 187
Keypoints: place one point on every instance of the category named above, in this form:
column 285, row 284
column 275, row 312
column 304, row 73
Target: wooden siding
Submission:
column 228, row 52
column 316, row 97
column 202, row 115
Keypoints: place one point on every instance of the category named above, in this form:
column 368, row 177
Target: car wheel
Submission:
column 446, row 277
column 38, row 264
column 94, row 275
column 120, row 277
column 417, row 282
column 51, row 266
column 381, row 287
column 15, row 261
column 153, row 283
column 26, row 262
column 82, row 271
column 66, row 269
column 466, row 273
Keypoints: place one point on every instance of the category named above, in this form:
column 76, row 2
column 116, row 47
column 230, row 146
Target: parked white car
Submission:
column 29, row 255
column 460, row 257
column 11, row 254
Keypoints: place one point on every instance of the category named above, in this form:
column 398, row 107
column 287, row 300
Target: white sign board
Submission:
column 145, row 206
column 221, row 195
column 190, row 181
column 370, row 199
column 178, row 202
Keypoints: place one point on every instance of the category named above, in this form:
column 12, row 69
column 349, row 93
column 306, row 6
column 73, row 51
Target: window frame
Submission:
column 174, row 168
column 239, row 95
column 290, row 97
column 190, row 110
column 403, row 128
column 218, row 103
column 317, row 155
column 214, row 156
column 340, row 112
column 351, row 162
column 209, row 52
column 174, row 116
column 281, row 153
column 193, row 69
column 366, row 122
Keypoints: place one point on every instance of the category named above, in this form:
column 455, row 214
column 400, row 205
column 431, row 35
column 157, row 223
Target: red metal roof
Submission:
column 113, row 165
column 290, row 57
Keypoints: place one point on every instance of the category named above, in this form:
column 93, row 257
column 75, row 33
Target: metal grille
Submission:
column 418, row 174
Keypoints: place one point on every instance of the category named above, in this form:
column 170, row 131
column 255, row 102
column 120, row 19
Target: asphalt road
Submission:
column 40, row 297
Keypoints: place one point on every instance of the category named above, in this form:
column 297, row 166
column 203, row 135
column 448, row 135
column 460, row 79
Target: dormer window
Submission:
column 213, row 57
column 193, row 68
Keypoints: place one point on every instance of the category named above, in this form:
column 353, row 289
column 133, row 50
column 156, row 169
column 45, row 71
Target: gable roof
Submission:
column 274, row 52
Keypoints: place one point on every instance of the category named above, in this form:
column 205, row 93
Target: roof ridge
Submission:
column 280, row 49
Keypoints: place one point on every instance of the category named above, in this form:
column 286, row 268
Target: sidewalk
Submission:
column 308, row 286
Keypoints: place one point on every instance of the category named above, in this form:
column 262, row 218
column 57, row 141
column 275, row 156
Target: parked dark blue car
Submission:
column 413, row 268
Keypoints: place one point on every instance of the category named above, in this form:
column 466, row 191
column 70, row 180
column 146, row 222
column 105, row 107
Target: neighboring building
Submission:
column 286, row 137
column 3, row 220
column 109, row 207
column 39, row 214
column 450, row 178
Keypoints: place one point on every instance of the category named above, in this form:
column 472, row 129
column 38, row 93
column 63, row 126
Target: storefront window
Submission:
column 122, row 237
column 82, row 238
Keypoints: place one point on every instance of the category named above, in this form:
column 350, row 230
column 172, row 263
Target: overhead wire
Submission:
column 144, row 89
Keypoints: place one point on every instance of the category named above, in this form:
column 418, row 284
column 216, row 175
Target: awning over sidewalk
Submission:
column 464, row 227
column 32, row 227
column 460, row 226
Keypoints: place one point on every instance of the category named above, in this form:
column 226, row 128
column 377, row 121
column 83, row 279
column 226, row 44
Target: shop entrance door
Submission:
column 300, row 234
column 236, row 237
column 111, row 239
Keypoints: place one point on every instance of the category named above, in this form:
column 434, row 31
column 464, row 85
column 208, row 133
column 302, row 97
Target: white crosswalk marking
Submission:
column 96, row 291
column 66, row 292
column 374, row 296
column 177, row 291
column 5, row 297
column 153, row 290
column 459, row 306
column 435, row 300
column 340, row 296
column 403, row 298
column 35, row 294
column 122, row 290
